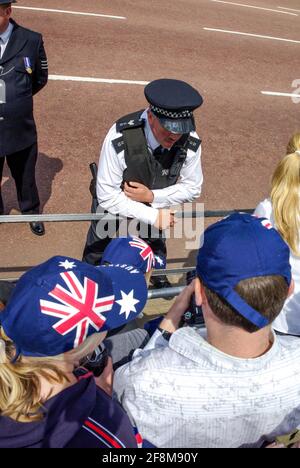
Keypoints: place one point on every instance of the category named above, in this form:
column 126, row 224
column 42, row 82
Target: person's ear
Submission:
column 8, row 11
column 150, row 117
column 198, row 292
column 291, row 288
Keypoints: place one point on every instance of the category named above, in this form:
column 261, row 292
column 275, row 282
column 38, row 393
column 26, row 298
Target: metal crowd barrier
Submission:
column 62, row 218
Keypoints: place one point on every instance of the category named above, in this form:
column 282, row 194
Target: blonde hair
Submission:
column 20, row 381
column 285, row 195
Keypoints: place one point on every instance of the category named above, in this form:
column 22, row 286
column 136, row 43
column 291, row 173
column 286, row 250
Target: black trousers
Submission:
column 22, row 167
column 95, row 246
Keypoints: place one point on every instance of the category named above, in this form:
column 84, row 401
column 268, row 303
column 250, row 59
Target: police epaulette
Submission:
column 193, row 143
column 129, row 124
column 118, row 144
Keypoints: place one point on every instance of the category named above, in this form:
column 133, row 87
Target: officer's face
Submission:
column 5, row 13
column 165, row 138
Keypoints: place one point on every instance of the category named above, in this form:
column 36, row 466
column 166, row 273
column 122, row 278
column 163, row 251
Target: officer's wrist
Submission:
column 151, row 196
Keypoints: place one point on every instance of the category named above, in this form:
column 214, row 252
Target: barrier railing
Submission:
column 81, row 217
column 67, row 218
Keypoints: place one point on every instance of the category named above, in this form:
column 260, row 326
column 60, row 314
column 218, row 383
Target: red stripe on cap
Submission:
column 100, row 432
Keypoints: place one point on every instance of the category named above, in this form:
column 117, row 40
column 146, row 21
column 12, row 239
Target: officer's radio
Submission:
column 93, row 184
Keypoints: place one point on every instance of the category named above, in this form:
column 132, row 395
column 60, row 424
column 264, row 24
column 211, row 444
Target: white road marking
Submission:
column 252, row 6
column 51, row 10
column 273, row 93
column 95, row 80
column 289, row 9
column 252, row 35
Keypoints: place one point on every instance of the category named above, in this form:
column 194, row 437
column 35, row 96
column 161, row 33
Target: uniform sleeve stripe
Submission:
column 102, row 434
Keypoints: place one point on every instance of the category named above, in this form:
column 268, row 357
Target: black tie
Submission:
column 160, row 151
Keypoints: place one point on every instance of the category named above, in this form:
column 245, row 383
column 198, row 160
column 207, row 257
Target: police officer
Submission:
column 23, row 73
column 150, row 160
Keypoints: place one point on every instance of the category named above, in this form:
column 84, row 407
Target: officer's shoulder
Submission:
column 193, row 142
column 29, row 34
column 130, row 121
column 116, row 139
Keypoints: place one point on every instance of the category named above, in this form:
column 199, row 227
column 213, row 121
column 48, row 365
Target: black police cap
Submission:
column 6, row 2
column 173, row 102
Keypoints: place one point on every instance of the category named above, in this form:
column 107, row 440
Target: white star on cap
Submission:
column 67, row 265
column 127, row 303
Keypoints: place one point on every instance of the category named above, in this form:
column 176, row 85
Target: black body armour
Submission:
column 153, row 171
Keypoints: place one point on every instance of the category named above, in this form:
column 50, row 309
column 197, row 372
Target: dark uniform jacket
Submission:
column 23, row 72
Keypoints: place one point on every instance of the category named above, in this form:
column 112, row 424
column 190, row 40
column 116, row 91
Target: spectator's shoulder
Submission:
column 290, row 347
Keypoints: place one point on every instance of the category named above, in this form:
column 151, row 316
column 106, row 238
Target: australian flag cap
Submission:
column 58, row 304
column 240, row 247
column 132, row 251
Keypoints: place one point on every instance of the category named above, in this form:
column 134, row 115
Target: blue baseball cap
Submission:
column 240, row 247
column 58, row 304
column 132, row 251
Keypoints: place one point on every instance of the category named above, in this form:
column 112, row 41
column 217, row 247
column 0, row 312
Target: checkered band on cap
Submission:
column 172, row 115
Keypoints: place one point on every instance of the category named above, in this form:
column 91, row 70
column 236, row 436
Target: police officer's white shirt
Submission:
column 110, row 177
column 289, row 319
column 4, row 38
column 187, row 393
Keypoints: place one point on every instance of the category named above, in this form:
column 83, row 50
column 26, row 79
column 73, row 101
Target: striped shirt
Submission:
column 186, row 393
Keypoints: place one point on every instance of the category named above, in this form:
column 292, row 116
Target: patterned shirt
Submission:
column 186, row 393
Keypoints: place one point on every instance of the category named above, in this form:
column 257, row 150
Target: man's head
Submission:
column 245, row 272
column 170, row 115
column 5, row 14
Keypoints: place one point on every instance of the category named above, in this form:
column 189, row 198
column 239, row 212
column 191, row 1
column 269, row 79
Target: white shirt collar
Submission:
column 152, row 141
column 7, row 33
column 193, row 344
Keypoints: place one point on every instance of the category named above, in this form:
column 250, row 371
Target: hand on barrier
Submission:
column 165, row 219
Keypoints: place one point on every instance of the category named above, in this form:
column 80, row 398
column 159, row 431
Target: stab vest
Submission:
column 155, row 172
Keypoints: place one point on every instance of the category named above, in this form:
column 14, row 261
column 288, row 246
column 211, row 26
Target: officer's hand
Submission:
column 165, row 219
column 138, row 192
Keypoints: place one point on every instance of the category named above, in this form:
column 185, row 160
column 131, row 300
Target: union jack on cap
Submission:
column 130, row 251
